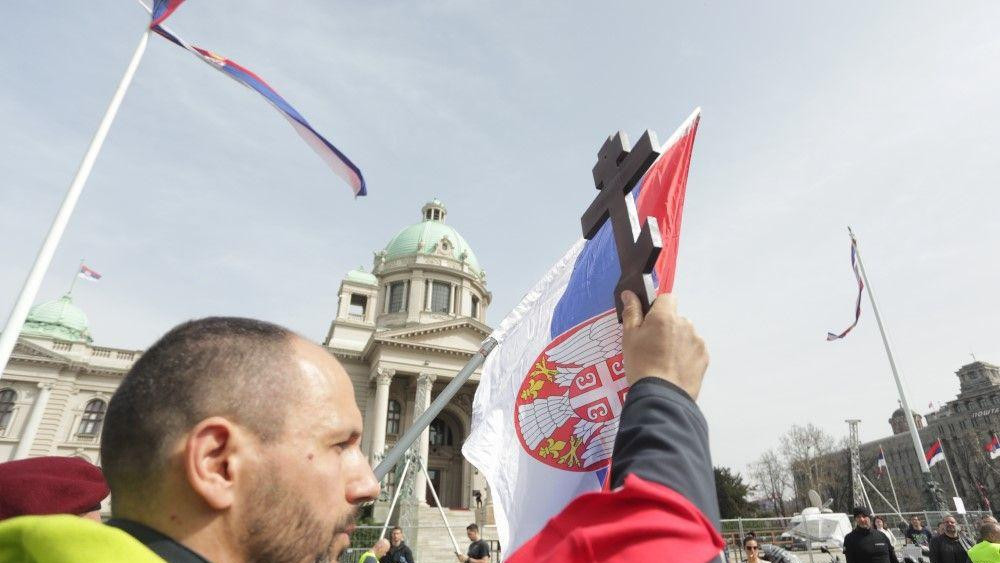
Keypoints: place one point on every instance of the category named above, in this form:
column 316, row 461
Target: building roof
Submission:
column 59, row 319
column 361, row 276
column 429, row 237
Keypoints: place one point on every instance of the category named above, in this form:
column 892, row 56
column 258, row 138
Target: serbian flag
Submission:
column 881, row 467
column 331, row 155
column 545, row 415
column 86, row 273
column 934, row 454
column 993, row 447
column 861, row 285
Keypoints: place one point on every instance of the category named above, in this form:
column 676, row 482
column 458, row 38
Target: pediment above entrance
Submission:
column 463, row 336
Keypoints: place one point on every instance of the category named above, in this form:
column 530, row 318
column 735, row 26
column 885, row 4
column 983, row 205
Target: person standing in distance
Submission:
column 946, row 547
column 917, row 534
column 479, row 550
column 399, row 552
column 865, row 545
column 380, row 548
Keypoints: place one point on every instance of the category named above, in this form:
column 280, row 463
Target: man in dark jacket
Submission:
column 399, row 552
column 946, row 547
column 865, row 545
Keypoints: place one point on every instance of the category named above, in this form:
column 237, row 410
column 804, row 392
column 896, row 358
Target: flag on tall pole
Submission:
column 331, row 155
column 857, row 303
column 993, row 447
column 88, row 274
column 546, row 410
column 934, row 454
column 881, row 467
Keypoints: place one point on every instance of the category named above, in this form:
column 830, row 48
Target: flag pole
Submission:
column 76, row 276
column 424, row 420
column 34, row 280
column 933, row 500
column 891, row 486
column 947, row 465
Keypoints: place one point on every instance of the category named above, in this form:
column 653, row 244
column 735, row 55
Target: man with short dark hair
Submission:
column 946, row 547
column 865, row 545
column 399, row 552
column 917, row 534
column 479, row 550
column 234, row 440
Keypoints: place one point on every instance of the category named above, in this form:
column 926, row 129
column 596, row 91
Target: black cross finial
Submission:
column 617, row 171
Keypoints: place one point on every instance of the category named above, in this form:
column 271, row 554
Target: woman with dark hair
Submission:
column 880, row 526
column 752, row 549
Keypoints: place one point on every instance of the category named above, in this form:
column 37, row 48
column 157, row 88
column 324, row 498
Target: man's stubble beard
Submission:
column 282, row 529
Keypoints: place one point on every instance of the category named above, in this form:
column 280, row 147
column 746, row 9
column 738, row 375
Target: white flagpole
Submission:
column 891, row 486
column 908, row 414
column 437, row 502
column 947, row 465
column 34, row 280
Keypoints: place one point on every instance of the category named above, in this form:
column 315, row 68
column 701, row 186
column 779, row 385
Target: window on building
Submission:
column 359, row 305
column 93, row 417
column 7, row 399
column 397, row 297
column 441, row 297
column 392, row 417
column 440, row 433
column 475, row 307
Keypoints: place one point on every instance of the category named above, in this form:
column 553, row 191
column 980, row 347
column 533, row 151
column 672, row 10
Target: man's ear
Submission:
column 214, row 453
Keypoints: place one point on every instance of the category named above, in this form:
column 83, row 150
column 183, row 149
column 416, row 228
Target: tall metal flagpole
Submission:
column 932, row 490
column 891, row 486
column 76, row 276
column 34, row 280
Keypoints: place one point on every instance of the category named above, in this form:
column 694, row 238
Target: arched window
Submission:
column 7, row 399
column 93, row 417
column 440, row 433
column 393, row 414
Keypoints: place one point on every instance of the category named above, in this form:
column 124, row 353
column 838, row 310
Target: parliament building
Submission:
column 401, row 330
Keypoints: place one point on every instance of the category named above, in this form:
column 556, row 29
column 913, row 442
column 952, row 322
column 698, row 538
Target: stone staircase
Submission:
column 433, row 543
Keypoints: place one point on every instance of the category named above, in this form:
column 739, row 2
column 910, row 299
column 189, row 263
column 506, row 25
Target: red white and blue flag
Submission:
column 861, row 287
column 881, row 467
column 934, row 454
column 86, row 273
column 546, row 409
column 993, row 447
column 330, row 154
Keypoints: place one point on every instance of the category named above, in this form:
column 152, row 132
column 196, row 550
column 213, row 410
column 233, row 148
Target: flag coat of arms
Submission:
column 546, row 411
column 993, row 447
column 934, row 454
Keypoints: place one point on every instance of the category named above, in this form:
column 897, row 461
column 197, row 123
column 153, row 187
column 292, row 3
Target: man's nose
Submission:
column 363, row 486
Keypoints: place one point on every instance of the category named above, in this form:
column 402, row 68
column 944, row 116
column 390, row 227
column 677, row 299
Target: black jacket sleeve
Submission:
column 663, row 437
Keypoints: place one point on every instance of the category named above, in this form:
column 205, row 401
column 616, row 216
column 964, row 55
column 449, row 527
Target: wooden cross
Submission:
column 617, row 171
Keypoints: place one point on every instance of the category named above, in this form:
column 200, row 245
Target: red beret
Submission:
column 50, row 485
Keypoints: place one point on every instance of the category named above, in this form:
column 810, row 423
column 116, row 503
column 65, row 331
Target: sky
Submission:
column 882, row 116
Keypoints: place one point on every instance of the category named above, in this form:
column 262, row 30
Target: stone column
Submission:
column 416, row 297
column 425, row 381
column 383, row 378
column 34, row 421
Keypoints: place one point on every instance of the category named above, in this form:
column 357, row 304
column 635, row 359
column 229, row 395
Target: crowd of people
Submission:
column 871, row 541
column 234, row 439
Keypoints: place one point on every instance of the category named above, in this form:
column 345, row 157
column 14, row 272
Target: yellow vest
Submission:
column 367, row 554
column 985, row 552
column 68, row 539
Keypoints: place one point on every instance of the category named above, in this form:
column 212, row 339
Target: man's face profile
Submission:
column 302, row 497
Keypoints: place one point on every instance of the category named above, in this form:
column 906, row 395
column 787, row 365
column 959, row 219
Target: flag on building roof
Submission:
column 993, row 447
column 857, row 304
column 881, row 466
column 86, row 273
column 331, row 155
column 935, row 453
column 546, row 409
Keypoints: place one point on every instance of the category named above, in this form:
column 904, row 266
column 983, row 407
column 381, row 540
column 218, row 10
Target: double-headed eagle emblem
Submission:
column 567, row 409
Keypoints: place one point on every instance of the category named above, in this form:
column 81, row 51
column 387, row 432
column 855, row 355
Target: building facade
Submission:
column 402, row 331
column 964, row 425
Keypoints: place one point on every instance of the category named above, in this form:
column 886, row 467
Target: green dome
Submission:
column 429, row 236
column 59, row 319
column 361, row 276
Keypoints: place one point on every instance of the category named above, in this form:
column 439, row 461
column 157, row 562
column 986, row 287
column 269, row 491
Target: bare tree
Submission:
column 773, row 478
column 802, row 447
